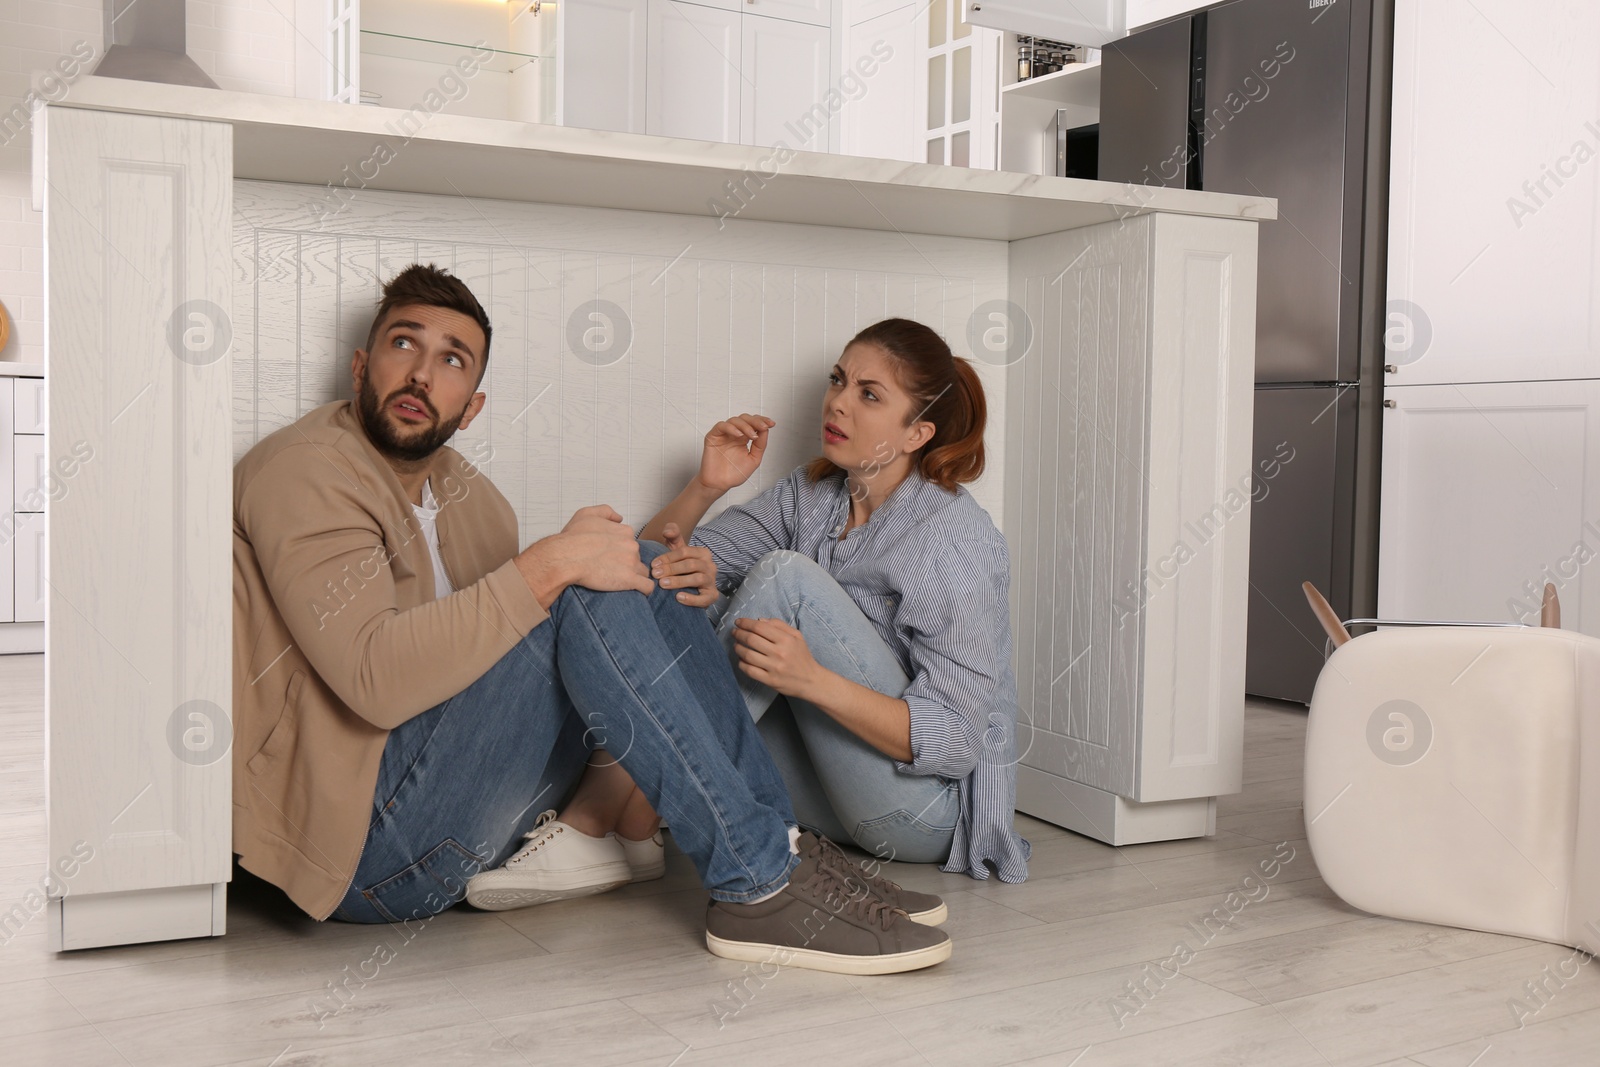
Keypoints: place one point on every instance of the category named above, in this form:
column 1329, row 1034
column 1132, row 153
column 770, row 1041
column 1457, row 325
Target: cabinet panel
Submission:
column 29, row 569
column 29, row 405
column 694, row 71
column 785, row 85
column 140, row 552
column 816, row 12
column 603, row 64
column 1489, row 491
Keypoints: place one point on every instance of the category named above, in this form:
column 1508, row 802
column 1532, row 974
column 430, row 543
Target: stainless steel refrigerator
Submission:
column 1289, row 99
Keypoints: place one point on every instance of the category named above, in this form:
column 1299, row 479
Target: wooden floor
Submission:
column 1043, row 972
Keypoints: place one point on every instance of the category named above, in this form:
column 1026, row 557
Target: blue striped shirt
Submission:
column 931, row 572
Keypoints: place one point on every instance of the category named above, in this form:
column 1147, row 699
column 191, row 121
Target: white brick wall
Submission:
column 244, row 45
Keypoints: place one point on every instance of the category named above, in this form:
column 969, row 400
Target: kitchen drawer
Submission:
column 28, row 405
column 29, row 566
column 27, row 485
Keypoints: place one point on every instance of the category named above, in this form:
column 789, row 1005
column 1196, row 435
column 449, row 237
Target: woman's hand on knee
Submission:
column 775, row 654
column 686, row 568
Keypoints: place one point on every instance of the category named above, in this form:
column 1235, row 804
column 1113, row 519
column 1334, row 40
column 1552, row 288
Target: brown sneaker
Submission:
column 825, row 923
column 925, row 908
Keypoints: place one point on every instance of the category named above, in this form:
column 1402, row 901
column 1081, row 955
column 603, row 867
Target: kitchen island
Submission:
column 213, row 258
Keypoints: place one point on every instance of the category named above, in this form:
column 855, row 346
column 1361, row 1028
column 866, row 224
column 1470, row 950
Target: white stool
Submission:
column 1452, row 776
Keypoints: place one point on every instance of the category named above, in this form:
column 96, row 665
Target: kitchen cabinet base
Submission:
column 171, row 913
column 17, row 638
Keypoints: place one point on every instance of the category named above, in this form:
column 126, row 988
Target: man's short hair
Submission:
column 435, row 288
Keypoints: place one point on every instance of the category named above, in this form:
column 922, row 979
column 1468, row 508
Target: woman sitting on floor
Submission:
column 867, row 612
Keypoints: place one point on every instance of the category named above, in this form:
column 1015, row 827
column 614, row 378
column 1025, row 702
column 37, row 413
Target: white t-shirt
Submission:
column 427, row 515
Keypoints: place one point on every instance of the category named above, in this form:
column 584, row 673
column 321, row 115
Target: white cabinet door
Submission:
column 603, row 64
column 28, row 466
column 784, row 91
column 694, row 71
column 1488, row 492
column 29, row 563
column 881, row 119
column 1494, row 252
column 816, row 12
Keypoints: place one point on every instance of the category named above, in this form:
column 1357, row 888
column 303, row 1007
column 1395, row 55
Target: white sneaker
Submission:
column 558, row 862
column 647, row 859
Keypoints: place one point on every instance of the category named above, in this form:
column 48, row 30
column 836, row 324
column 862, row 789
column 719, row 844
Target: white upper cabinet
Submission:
column 878, row 74
column 693, row 62
column 602, row 55
column 1494, row 195
column 785, row 84
column 816, row 12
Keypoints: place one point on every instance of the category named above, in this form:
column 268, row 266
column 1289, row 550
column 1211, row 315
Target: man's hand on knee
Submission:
column 595, row 550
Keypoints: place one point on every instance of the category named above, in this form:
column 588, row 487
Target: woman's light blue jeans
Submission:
column 643, row 677
column 840, row 786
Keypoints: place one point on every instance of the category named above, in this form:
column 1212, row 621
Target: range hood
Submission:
column 146, row 41
column 1095, row 23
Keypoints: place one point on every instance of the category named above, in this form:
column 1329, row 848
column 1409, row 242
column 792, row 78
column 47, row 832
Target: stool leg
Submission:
column 1326, row 615
column 1550, row 612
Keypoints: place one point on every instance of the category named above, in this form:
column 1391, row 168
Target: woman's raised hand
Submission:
column 733, row 451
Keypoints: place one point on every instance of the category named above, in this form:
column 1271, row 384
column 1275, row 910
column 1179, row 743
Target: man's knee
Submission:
column 649, row 550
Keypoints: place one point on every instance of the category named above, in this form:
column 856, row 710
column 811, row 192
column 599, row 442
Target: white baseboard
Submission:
column 1107, row 817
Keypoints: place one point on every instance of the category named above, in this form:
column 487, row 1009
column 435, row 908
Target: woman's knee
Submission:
column 783, row 562
column 787, row 574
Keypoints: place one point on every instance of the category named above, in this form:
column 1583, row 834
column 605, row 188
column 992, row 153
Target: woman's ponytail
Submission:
column 955, row 454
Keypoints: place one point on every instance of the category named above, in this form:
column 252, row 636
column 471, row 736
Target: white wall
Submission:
column 723, row 316
column 244, row 45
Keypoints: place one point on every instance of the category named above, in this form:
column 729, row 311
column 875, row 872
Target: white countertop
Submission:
column 318, row 143
column 8, row 369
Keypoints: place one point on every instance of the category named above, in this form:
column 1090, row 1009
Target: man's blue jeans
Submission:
column 840, row 785
column 645, row 678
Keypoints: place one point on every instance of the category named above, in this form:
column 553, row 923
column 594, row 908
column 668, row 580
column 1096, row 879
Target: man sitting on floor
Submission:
column 410, row 689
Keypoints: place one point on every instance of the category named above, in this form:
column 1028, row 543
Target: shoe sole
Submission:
column 833, row 962
column 494, row 897
column 650, row 873
column 931, row 917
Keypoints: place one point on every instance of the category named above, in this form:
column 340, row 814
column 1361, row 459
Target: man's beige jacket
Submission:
column 338, row 637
